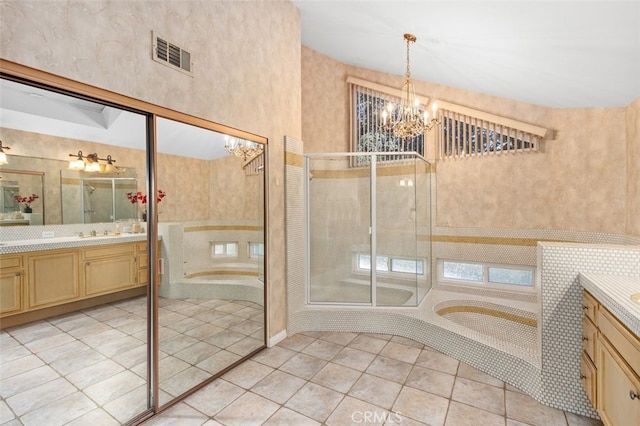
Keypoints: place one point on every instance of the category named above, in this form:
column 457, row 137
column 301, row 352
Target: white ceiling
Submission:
column 552, row 53
column 36, row 110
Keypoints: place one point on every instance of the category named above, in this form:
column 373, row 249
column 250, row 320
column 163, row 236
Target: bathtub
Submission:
column 505, row 321
column 358, row 291
column 231, row 281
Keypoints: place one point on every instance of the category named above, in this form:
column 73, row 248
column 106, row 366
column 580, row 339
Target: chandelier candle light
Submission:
column 405, row 120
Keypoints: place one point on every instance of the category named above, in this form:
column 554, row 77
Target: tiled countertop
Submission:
column 614, row 293
column 27, row 245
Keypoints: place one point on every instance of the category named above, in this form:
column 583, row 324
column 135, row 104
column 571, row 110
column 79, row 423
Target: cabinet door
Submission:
column 617, row 386
column 10, row 292
column 109, row 274
column 53, row 278
column 588, row 376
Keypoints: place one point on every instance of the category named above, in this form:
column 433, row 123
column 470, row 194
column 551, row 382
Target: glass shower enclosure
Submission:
column 368, row 228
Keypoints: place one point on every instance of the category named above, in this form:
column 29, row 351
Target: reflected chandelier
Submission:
column 242, row 148
column 405, row 120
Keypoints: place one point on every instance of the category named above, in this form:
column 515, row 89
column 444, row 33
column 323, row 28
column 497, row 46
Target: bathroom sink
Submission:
column 636, row 298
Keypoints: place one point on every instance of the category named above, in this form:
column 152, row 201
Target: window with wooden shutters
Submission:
column 465, row 132
column 368, row 101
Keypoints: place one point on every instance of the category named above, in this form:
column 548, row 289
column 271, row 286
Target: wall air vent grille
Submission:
column 171, row 55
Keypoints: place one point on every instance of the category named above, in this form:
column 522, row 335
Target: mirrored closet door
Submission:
column 132, row 251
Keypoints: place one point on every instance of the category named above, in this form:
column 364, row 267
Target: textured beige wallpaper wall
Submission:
column 579, row 182
column 246, row 66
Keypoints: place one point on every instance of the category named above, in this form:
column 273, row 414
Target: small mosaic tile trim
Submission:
column 482, row 310
column 614, row 293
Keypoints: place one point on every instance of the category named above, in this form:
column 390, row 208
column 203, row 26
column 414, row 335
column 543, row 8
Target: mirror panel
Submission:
column 96, row 351
column 211, row 292
column 211, row 297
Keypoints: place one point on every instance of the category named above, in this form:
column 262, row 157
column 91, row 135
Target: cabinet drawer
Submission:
column 627, row 344
column 10, row 261
column 588, row 377
column 590, row 307
column 589, row 335
column 142, row 260
column 141, row 246
column 109, row 250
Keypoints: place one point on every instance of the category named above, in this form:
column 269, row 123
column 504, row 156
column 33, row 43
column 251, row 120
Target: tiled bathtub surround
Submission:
column 555, row 379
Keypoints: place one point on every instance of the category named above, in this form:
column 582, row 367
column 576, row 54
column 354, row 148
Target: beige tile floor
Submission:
column 90, row 367
column 324, row 378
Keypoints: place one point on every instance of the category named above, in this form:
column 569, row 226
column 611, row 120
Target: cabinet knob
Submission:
column 583, row 377
column 634, row 395
column 585, row 307
column 585, row 339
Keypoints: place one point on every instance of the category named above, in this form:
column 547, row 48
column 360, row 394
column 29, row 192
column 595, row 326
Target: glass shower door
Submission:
column 338, row 209
column 395, row 210
column 369, row 228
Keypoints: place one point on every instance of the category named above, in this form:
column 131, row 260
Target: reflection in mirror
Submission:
column 211, row 227
column 79, row 310
column 90, row 199
column 211, row 305
column 21, row 198
column 64, row 126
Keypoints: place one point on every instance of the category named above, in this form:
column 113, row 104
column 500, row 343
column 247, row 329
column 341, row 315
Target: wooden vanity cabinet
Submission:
column 11, row 284
column 38, row 284
column 617, row 368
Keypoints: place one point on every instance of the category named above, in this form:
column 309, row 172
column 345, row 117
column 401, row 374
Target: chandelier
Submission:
column 242, row 148
column 405, row 120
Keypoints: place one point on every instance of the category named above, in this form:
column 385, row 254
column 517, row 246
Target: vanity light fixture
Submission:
column 242, row 148
column 3, row 156
column 91, row 163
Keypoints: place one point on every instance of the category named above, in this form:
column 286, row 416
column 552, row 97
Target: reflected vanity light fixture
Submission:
column 405, row 120
column 242, row 148
column 3, row 156
column 92, row 163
